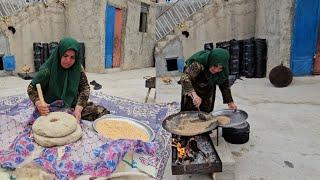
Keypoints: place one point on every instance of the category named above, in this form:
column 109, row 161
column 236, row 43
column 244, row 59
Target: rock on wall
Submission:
column 274, row 22
column 35, row 23
column 220, row 21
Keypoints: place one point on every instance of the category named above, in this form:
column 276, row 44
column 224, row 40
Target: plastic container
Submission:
column 180, row 62
column 9, row 62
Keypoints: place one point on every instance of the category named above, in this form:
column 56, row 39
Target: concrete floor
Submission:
column 285, row 122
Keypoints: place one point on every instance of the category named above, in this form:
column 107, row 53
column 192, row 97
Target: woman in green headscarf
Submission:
column 62, row 78
column 204, row 70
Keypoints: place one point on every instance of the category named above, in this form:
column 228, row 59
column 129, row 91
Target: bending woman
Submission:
column 204, row 71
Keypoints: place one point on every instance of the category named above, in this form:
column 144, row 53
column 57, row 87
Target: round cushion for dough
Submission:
column 60, row 141
column 55, row 124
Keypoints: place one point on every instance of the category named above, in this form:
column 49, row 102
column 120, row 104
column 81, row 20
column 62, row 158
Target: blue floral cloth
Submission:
column 93, row 154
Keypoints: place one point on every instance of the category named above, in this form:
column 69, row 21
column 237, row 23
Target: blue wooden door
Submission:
column 109, row 35
column 305, row 28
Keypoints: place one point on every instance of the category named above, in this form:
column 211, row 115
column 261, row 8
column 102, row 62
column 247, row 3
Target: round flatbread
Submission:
column 223, row 120
column 60, row 141
column 55, row 124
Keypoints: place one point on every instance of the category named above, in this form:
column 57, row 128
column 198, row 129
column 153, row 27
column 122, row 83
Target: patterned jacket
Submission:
column 195, row 79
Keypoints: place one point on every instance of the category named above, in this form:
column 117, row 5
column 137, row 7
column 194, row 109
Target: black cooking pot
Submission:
column 237, row 134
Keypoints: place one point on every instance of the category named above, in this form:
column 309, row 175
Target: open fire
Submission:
column 193, row 150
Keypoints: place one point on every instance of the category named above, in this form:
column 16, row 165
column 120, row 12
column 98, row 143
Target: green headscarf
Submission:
column 217, row 57
column 58, row 83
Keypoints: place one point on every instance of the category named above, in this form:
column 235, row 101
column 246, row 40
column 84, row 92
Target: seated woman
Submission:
column 63, row 78
column 204, row 70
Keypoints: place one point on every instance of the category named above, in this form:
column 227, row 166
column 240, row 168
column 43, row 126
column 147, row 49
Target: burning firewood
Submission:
column 182, row 153
column 193, row 145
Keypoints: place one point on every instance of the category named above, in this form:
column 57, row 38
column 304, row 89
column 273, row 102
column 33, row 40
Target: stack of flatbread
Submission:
column 56, row 129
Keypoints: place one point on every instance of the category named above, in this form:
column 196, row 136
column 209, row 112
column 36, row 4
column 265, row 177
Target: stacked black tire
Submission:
column 248, row 63
column 37, row 55
column 52, row 46
column 261, row 57
column 42, row 51
column 223, row 45
column 234, row 62
column 247, row 57
column 82, row 53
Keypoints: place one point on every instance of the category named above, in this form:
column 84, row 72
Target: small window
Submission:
column 1, row 62
column 208, row 46
column 172, row 64
column 144, row 17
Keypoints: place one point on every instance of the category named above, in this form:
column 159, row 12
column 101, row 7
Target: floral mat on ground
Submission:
column 93, row 155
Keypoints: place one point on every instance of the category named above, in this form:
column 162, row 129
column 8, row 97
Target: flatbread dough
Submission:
column 223, row 120
column 60, row 141
column 55, row 124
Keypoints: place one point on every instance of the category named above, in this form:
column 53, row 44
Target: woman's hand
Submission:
column 232, row 105
column 77, row 112
column 43, row 108
column 196, row 99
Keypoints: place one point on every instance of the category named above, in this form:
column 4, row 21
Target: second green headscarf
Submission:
column 59, row 83
column 217, row 56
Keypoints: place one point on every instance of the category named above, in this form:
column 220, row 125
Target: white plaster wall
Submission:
column 86, row 22
column 274, row 22
column 3, row 44
column 220, row 21
column 34, row 24
column 138, row 46
column 173, row 50
column 242, row 19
